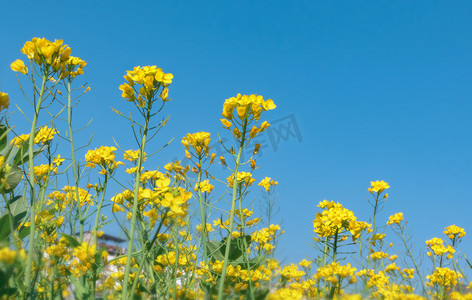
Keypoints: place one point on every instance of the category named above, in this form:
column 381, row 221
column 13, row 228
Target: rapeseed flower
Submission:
column 246, row 105
column 4, row 101
column 378, row 186
column 267, row 182
column 19, row 66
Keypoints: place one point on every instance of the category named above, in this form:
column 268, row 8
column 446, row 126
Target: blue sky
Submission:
column 380, row 90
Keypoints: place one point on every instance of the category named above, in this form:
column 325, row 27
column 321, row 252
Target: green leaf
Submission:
column 80, row 289
column 236, row 246
column 216, row 250
column 5, row 228
column 22, row 156
column 13, row 178
column 72, row 240
column 24, row 232
column 3, row 136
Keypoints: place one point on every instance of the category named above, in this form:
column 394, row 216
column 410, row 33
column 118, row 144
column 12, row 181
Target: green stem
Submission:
column 74, row 166
column 202, row 213
column 137, row 184
column 203, row 217
column 412, row 259
column 29, row 262
column 233, row 208
column 245, row 247
column 99, row 208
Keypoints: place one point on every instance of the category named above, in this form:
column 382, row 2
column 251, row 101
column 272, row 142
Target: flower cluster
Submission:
column 267, row 182
column 53, row 56
column 395, row 219
column 264, row 236
column 198, row 141
column 43, row 136
column 246, row 105
column 242, row 177
column 378, row 186
column 454, row 232
column 142, row 84
column 335, row 220
column 436, row 246
column 103, row 157
column 444, row 277
column 133, row 155
column 335, row 273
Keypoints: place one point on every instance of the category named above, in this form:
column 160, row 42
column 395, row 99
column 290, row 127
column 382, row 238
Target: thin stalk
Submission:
column 412, row 259
column 203, row 213
column 137, row 184
column 99, row 208
column 245, row 254
column 74, row 166
column 29, row 262
column 233, row 208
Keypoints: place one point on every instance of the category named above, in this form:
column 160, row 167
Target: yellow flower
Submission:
column 267, row 183
column 44, row 52
column 58, row 160
column 226, row 123
column 4, row 101
column 378, row 186
column 72, row 67
column 443, row 277
column 395, row 219
column 103, row 157
column 242, row 177
column 44, row 135
column 163, row 77
column 133, row 155
column 205, row 186
column 19, row 66
column 246, row 106
column 454, row 232
column 199, row 141
column 305, row 263
column 7, row 256
column 378, row 255
column 142, row 84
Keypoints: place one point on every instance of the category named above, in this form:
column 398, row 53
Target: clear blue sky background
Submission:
column 381, row 90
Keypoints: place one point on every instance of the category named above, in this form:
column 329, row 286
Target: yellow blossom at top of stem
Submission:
column 267, row 183
column 242, row 177
column 45, row 135
column 45, row 52
column 305, row 263
column 198, row 141
column 436, row 246
column 133, row 155
column 334, row 272
column 148, row 80
column 378, row 255
column 4, row 101
column 395, row 219
column 246, row 105
column 444, row 277
column 104, row 157
column 378, row 186
column 19, row 66
column 205, row 186
column 335, row 220
column 72, row 67
column 454, row 232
